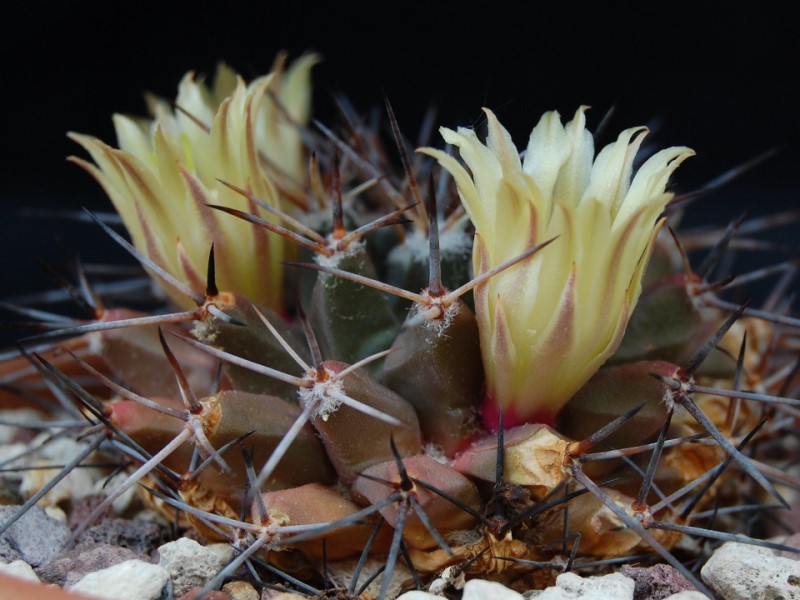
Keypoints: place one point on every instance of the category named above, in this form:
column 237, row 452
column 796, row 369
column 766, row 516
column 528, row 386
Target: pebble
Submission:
column 241, row 590
column 78, row 483
column 34, row 538
column 563, row 590
column 129, row 580
column 657, row 582
column 57, row 513
column 744, row 572
column 105, row 487
column 190, row 564
column 83, row 507
column 140, row 536
column 68, row 568
column 477, row 589
column 19, row 569
column 451, row 577
column 570, row 586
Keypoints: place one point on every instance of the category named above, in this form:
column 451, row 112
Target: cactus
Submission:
column 330, row 384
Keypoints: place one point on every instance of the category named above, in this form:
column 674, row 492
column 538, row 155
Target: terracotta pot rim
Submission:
column 14, row 587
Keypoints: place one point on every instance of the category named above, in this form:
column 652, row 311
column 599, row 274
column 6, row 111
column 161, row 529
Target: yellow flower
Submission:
column 547, row 324
column 167, row 170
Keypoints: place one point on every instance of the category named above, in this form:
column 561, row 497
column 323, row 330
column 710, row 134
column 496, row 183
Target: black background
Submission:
column 720, row 82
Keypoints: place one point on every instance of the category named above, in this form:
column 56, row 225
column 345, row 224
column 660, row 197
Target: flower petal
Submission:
column 548, row 150
column 612, row 169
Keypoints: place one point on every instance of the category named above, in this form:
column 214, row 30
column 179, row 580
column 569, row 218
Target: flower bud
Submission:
column 167, row 171
column 547, row 324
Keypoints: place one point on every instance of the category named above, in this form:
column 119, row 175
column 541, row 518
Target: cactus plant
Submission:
column 329, row 385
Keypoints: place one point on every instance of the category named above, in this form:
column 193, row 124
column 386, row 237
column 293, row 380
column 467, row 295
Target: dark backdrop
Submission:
column 721, row 83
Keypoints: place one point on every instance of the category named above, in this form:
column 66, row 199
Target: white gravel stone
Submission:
column 19, row 569
column 418, row 595
column 570, row 586
column 477, row 589
column 77, row 484
column 56, row 513
column 450, row 577
column 744, row 572
column 129, row 580
column 13, row 453
column 192, row 565
column 688, row 595
column 241, row 590
column 17, row 415
column 107, row 487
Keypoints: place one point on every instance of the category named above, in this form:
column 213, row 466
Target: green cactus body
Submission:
column 341, row 311
column 408, row 264
column 438, row 369
column 443, row 512
column 136, row 358
column 229, row 415
column 315, row 503
column 651, row 336
column 616, row 389
column 351, row 454
column 251, row 340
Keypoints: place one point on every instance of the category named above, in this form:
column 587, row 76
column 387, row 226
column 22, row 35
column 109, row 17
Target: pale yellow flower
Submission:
column 549, row 323
column 167, row 170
